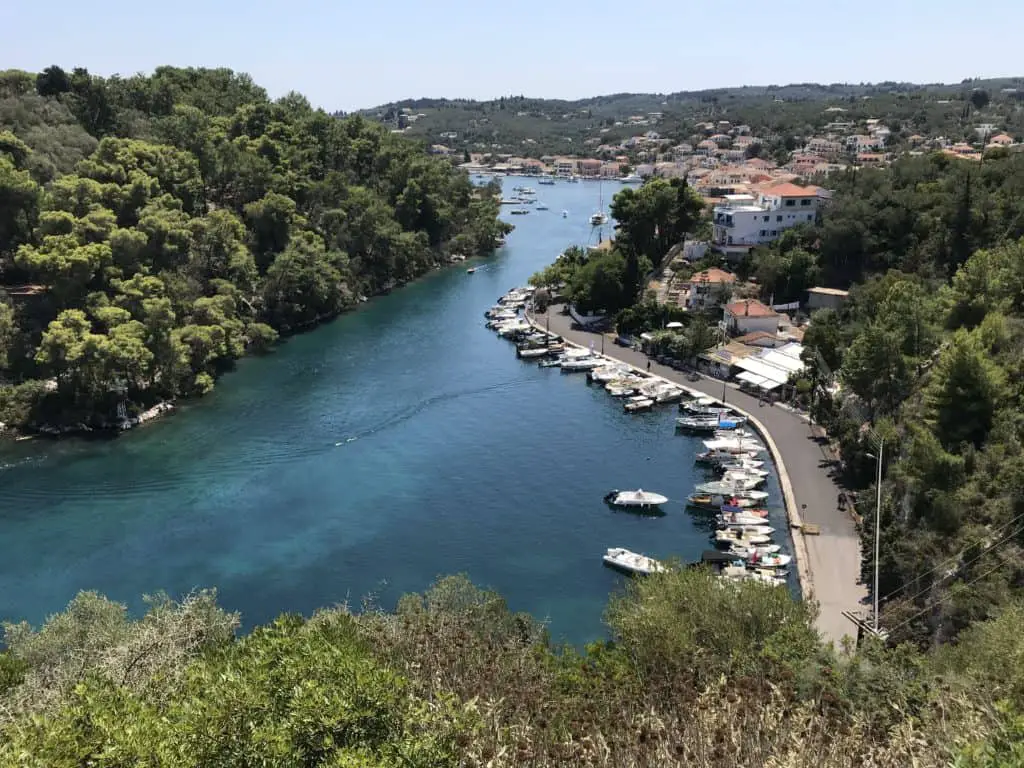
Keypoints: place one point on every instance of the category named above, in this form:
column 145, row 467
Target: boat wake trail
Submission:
column 425, row 404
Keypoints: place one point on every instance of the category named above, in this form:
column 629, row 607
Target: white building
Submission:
column 750, row 315
column 745, row 221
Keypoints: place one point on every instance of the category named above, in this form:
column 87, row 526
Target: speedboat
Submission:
column 565, row 214
column 638, row 403
column 744, row 478
column 631, row 562
column 606, row 373
column 632, row 179
column 638, row 498
column 596, row 220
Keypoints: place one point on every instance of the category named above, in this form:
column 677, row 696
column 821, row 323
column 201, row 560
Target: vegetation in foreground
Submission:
column 697, row 673
column 155, row 228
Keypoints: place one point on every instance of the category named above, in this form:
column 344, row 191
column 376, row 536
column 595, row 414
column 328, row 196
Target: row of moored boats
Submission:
column 734, row 500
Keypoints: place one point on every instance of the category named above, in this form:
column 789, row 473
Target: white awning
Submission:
column 762, row 369
column 758, row 381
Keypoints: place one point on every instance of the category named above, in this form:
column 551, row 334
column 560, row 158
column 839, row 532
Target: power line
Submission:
column 956, row 558
column 930, row 606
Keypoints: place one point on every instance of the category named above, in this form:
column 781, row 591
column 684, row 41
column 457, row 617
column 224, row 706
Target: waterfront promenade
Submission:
column 833, row 557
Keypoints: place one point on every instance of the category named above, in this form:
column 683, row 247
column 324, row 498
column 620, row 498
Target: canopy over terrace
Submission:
column 760, row 382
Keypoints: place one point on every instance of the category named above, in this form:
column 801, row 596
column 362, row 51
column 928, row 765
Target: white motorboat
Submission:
column 748, row 530
column 739, row 537
column 575, row 365
column 547, row 180
column 744, row 478
column 734, row 445
column 631, row 562
column 748, row 552
column 637, row 498
column 703, row 405
column 512, row 328
column 596, row 219
column 743, row 518
column 741, row 462
column 632, row 179
column 698, row 424
column 606, row 373
column 744, row 488
column 638, row 403
column 668, row 394
column 620, row 390
column 768, row 560
column 533, row 353
column 742, row 573
column 717, row 458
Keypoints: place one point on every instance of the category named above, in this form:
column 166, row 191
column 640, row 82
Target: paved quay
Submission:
column 831, row 560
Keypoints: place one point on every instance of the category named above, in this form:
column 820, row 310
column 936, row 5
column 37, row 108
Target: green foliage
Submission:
column 213, row 216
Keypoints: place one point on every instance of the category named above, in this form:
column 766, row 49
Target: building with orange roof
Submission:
column 708, row 288
column 750, row 316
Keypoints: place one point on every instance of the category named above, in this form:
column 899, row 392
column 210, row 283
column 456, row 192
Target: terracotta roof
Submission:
column 787, row 189
column 749, row 308
column 712, row 275
column 756, row 336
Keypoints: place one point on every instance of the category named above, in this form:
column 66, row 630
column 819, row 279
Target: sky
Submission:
column 347, row 55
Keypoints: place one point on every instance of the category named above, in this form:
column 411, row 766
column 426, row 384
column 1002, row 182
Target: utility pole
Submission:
column 878, row 526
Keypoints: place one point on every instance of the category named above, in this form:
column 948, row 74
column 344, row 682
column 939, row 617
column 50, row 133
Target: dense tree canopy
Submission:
column 167, row 223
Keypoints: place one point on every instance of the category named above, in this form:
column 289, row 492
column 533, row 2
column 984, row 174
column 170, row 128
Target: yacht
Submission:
column 638, row 498
column 596, row 219
column 631, row 562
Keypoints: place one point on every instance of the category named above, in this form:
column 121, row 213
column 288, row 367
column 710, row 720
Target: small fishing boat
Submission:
column 550, row 363
column 581, row 364
column 729, row 537
column 746, row 530
column 542, row 207
column 768, row 560
column 565, row 214
column 533, row 353
column 471, row 270
column 631, row 562
column 638, row 498
column 717, row 502
column 638, row 403
column 742, row 518
column 697, row 424
column 747, row 552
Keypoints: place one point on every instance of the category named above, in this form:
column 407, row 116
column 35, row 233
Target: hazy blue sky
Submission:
column 344, row 55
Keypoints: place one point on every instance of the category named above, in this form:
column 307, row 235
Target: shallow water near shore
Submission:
column 396, row 444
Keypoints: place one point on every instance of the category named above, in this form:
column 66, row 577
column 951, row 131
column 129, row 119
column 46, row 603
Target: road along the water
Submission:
column 830, row 561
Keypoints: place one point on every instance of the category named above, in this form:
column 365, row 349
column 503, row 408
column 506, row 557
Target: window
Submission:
column 764, row 232
column 810, row 216
column 778, row 218
column 774, row 232
column 766, row 218
column 790, row 203
column 805, row 202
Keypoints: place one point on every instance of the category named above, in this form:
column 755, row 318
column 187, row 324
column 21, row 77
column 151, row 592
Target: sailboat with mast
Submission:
column 599, row 217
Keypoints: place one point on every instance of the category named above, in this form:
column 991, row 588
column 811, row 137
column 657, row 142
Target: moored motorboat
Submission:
column 743, row 518
column 748, row 530
column 728, row 537
column 747, row 552
column 632, row 562
column 637, row 498
column 638, row 403
column 574, row 365
column 768, row 559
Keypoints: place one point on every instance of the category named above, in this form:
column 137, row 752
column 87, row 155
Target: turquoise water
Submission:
column 367, row 457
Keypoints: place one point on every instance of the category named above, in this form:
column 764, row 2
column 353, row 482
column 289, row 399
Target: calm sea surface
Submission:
column 396, row 444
